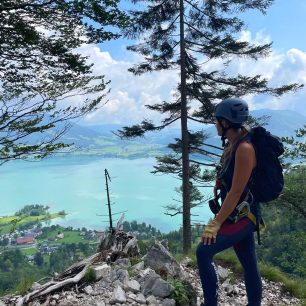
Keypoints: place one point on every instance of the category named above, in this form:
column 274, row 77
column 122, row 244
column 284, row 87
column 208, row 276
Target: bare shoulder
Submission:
column 246, row 153
column 245, row 148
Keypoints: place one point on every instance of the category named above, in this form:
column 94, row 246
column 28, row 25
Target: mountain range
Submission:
column 101, row 140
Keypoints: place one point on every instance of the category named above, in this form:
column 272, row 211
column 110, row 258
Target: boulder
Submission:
column 151, row 300
column 141, row 299
column 161, row 288
column 123, row 262
column 139, row 266
column 119, row 274
column 152, row 283
column 88, row 290
column 118, row 296
column 168, row 302
column 101, row 271
column 132, row 285
column 160, row 259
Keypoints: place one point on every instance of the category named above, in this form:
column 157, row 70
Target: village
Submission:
column 46, row 240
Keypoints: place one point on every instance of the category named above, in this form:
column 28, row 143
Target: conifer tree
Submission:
column 186, row 36
column 44, row 80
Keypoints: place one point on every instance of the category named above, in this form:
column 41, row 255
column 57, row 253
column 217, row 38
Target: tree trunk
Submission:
column 185, row 151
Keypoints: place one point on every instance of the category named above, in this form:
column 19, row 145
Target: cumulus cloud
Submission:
column 129, row 94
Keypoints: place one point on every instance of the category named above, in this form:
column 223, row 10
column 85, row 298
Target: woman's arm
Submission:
column 245, row 161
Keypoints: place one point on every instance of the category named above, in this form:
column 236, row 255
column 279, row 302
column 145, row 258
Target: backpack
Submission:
column 267, row 180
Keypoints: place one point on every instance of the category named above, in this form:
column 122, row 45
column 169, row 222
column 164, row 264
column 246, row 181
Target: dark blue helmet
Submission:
column 235, row 110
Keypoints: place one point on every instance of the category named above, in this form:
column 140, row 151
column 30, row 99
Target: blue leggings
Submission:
column 240, row 236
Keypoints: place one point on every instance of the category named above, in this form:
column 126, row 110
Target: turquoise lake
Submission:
column 77, row 185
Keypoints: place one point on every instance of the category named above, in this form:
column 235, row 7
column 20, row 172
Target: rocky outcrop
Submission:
column 119, row 283
column 159, row 258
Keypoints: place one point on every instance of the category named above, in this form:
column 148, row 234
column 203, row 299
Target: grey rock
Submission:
column 123, row 262
column 147, row 283
column 148, row 272
column 139, row 266
column 168, row 302
column 117, row 283
column 56, row 296
column 35, row 286
column 89, row 290
column 151, row 299
column 101, row 271
column 186, row 262
column 223, row 273
column 161, row 288
column 141, row 299
column 105, row 282
column 132, row 296
column 133, row 286
column 118, row 296
column 2, row 304
column 160, row 259
column 122, row 275
column 99, row 303
column 66, row 303
column 164, row 242
column 53, row 303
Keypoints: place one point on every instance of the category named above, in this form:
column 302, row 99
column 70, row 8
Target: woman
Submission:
column 237, row 163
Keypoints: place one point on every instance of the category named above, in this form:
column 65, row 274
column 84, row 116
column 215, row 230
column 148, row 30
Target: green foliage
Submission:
column 38, row 41
column 143, row 245
column 296, row 146
column 145, row 231
column 180, row 293
column 284, row 240
column 135, row 260
column 131, row 272
column 89, row 276
column 24, row 284
column 39, row 259
column 32, row 210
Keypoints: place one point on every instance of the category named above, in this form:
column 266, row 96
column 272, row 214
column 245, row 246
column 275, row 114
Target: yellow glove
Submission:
column 210, row 232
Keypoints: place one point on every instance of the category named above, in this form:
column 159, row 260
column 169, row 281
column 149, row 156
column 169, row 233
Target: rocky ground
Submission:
column 118, row 283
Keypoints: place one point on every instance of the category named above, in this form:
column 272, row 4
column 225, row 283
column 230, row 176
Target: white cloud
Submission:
column 129, row 94
column 279, row 69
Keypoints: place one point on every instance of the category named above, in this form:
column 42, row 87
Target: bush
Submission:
column 180, row 293
column 24, row 284
column 89, row 276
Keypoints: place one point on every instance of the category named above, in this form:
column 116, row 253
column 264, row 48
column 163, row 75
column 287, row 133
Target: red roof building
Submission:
column 25, row 240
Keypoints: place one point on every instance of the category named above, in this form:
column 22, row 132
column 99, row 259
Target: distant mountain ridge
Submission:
column 101, row 140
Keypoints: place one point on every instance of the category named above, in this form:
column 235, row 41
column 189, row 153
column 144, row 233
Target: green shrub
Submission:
column 131, row 272
column 180, row 293
column 89, row 276
column 134, row 260
column 24, row 285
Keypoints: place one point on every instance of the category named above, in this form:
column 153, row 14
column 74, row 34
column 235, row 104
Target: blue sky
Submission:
column 284, row 24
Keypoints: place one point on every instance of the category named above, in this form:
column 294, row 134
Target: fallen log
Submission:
column 55, row 285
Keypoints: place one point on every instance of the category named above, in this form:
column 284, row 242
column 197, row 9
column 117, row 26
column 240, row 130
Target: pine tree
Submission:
column 44, row 80
column 186, row 36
